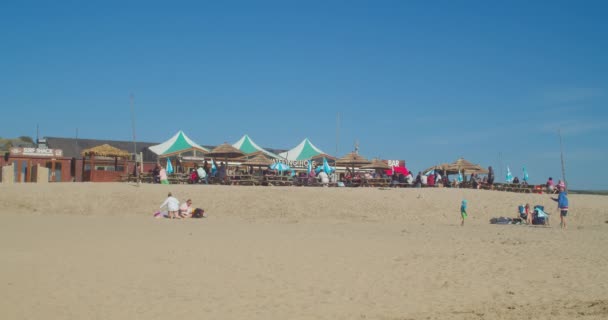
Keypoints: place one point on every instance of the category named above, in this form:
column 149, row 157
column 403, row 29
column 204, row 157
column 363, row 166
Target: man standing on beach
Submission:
column 562, row 205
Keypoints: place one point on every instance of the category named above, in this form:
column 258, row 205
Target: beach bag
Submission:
column 198, row 213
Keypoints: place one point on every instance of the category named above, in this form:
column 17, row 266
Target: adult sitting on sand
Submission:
column 172, row 205
column 185, row 210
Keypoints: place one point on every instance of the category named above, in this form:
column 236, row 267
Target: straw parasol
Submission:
column 376, row 164
column 466, row 166
column 352, row 159
column 225, row 151
column 258, row 160
column 105, row 150
column 441, row 167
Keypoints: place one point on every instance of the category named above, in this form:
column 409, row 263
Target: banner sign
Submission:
column 36, row 152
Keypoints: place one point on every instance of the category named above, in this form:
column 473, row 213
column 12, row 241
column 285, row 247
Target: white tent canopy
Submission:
column 304, row 151
column 177, row 144
column 247, row 145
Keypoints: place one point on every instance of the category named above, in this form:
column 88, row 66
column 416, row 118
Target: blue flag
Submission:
column 169, row 166
column 509, row 176
column 460, row 179
column 309, row 167
column 213, row 167
column 525, row 175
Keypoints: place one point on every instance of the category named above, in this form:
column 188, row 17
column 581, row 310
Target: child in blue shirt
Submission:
column 463, row 211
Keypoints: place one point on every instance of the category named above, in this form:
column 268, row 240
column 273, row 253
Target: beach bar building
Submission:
column 113, row 161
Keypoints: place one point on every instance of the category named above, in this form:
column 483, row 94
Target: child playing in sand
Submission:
column 562, row 205
column 463, row 211
column 172, row 205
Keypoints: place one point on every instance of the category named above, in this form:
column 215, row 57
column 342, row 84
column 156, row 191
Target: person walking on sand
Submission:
column 172, row 206
column 463, row 211
column 562, row 205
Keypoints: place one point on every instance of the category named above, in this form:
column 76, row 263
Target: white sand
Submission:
column 93, row 251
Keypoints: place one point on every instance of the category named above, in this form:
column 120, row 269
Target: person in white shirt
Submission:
column 172, row 205
column 202, row 174
column 324, row 178
column 185, row 210
column 424, row 178
column 409, row 178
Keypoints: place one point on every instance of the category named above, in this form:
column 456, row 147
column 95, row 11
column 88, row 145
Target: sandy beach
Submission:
column 93, row 251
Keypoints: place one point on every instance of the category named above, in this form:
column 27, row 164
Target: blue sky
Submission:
column 422, row 81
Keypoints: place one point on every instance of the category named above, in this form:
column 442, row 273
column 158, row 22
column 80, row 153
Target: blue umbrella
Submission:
column 169, row 166
column 213, row 167
column 525, row 175
column 279, row 166
column 326, row 167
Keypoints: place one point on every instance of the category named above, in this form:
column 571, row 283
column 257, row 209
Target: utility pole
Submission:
column 561, row 151
column 337, row 131
column 132, row 98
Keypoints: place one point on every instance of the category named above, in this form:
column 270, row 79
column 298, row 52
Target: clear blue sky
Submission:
column 422, row 81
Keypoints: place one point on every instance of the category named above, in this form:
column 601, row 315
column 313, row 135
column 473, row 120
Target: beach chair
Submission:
column 540, row 216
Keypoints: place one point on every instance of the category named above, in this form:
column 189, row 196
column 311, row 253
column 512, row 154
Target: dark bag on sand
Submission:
column 198, row 213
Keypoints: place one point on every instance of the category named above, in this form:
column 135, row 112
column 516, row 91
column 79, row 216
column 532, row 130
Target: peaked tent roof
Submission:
column 247, row 145
column 177, row 144
column 304, row 151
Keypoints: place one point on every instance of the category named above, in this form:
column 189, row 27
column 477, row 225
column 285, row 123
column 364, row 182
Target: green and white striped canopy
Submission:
column 304, row 151
column 177, row 144
column 246, row 145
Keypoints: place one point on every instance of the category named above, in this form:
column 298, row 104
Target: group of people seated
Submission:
column 175, row 210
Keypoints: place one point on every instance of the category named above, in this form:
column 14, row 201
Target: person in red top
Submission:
column 431, row 180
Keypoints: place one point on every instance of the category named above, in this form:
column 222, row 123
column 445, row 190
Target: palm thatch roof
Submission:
column 105, row 150
column 258, row 160
column 376, row 164
column 225, row 151
column 352, row 159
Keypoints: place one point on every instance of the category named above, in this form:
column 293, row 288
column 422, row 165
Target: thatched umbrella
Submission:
column 376, row 164
column 259, row 160
column 225, row 151
column 352, row 159
column 441, row 167
column 465, row 166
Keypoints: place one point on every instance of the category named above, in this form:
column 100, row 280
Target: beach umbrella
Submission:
column 328, row 169
column 509, row 176
column 525, row 175
column 377, row 164
column 213, row 167
column 466, row 166
column 225, row 151
column 351, row 160
column 169, row 168
column 279, row 166
column 258, row 160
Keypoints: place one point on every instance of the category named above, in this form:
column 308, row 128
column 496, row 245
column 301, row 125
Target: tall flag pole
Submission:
column 561, row 149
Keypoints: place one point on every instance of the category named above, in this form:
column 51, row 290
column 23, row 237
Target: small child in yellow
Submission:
column 463, row 211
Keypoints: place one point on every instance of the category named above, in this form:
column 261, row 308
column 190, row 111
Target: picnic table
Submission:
column 278, row 180
column 244, row 180
column 377, row 182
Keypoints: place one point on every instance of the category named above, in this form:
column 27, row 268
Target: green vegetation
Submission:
column 595, row 192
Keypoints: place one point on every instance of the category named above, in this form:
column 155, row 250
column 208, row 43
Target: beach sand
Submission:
column 93, row 251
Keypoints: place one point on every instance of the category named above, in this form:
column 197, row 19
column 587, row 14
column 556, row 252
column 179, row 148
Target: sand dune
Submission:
column 93, row 251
